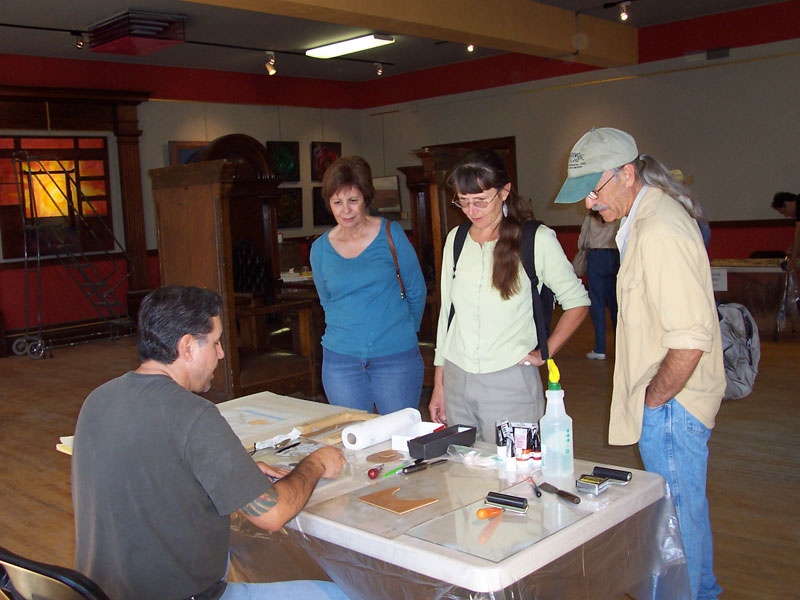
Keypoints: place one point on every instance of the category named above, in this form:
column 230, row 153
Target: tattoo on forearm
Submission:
column 262, row 504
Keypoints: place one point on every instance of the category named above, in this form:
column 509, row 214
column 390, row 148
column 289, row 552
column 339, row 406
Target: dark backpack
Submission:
column 543, row 302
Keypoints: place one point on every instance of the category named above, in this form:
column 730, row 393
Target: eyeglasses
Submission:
column 595, row 194
column 465, row 204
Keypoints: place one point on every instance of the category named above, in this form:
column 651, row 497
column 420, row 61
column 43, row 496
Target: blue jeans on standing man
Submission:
column 391, row 382
column 674, row 444
column 602, row 265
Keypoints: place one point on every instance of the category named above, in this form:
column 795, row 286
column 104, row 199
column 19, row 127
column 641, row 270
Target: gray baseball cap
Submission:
column 597, row 151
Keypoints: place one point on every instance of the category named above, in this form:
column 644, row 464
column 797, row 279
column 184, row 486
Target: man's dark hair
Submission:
column 169, row 313
column 780, row 199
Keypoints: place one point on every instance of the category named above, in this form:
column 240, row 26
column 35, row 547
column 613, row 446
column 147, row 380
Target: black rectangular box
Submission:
column 436, row 443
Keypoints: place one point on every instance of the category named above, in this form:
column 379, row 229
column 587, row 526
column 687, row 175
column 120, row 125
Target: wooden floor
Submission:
column 754, row 473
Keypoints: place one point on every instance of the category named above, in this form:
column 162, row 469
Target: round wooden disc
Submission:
column 384, row 456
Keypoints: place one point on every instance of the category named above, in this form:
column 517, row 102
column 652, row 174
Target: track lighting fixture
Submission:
column 623, row 11
column 470, row 47
column 270, row 64
column 378, row 69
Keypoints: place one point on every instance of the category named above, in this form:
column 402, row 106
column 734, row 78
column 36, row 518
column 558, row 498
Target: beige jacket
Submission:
column 665, row 301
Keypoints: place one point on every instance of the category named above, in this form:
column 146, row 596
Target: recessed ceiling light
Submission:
column 349, row 46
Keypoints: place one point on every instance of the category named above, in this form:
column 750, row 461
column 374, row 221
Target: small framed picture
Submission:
column 181, row 153
column 285, row 159
column 290, row 208
column 386, row 203
column 322, row 155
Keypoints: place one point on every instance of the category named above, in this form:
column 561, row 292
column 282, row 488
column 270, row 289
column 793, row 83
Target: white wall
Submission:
column 162, row 122
column 734, row 124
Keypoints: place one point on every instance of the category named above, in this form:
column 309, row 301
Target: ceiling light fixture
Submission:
column 623, row 11
column 79, row 42
column 470, row 47
column 270, row 64
column 349, row 46
column 378, row 69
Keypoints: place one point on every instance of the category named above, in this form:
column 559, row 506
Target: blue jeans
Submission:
column 284, row 590
column 674, row 444
column 391, row 382
column 602, row 265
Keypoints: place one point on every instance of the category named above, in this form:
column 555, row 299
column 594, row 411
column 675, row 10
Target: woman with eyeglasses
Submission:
column 373, row 302
column 486, row 357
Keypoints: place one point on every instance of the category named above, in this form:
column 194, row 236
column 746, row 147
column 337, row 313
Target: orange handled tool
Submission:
column 488, row 513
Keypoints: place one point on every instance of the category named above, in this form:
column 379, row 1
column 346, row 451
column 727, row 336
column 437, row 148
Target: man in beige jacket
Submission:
column 668, row 376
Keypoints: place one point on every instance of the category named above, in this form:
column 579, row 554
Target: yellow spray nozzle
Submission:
column 553, row 375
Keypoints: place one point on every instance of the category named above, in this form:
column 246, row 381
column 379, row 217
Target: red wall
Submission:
column 62, row 300
column 729, row 239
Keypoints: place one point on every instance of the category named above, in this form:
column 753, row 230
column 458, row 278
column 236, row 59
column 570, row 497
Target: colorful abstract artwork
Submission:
column 322, row 215
column 290, row 208
column 285, row 159
column 322, row 155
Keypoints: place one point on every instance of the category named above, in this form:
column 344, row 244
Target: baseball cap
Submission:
column 597, row 151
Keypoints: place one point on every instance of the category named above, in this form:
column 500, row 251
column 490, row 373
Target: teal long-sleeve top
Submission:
column 365, row 316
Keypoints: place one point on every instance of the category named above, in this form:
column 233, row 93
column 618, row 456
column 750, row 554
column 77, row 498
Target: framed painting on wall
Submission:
column 285, row 159
column 290, row 208
column 322, row 215
column 386, row 203
column 181, row 153
column 322, row 155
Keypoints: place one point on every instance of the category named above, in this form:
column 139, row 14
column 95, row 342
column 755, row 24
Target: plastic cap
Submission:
column 553, row 375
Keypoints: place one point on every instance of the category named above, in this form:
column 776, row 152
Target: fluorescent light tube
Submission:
column 349, row 46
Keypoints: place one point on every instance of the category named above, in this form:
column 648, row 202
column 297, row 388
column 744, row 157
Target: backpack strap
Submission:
column 541, row 315
column 458, row 245
column 394, row 257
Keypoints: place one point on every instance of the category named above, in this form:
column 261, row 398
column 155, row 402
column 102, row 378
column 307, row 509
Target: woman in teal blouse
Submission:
column 370, row 349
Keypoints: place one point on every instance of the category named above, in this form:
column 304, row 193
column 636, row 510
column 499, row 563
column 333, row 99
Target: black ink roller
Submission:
column 515, row 503
column 615, row 475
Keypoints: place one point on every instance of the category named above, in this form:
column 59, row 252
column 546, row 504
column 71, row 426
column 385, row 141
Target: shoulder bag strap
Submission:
column 458, row 245
column 394, row 257
column 526, row 252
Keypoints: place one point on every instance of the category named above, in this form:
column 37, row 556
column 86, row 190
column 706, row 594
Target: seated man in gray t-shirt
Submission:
column 157, row 471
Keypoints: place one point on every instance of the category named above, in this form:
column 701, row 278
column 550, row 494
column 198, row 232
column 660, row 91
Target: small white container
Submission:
column 400, row 439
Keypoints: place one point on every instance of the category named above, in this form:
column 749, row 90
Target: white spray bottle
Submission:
column 556, row 428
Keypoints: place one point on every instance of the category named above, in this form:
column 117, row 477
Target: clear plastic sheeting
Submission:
column 630, row 545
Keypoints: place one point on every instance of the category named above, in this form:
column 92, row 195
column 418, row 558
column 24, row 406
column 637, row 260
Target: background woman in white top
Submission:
column 486, row 359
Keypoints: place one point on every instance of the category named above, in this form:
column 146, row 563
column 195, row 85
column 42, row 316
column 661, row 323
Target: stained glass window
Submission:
column 63, row 177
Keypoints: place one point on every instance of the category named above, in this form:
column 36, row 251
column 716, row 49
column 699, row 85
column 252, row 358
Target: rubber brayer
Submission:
column 508, row 502
column 614, row 475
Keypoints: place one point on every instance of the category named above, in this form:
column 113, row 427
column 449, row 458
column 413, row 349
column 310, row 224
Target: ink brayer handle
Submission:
column 506, row 500
column 615, row 474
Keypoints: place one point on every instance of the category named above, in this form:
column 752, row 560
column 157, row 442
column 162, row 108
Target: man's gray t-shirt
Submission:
column 156, row 474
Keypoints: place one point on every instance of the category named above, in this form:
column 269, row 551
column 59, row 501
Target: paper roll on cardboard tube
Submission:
column 369, row 433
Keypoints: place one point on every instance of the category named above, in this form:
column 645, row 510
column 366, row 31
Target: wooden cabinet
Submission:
column 206, row 212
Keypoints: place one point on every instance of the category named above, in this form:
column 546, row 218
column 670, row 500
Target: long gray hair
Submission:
column 651, row 172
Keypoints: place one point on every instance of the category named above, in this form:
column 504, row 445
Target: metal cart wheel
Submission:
column 36, row 349
column 20, row 346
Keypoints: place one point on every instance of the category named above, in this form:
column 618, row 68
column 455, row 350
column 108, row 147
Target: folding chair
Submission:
column 26, row 579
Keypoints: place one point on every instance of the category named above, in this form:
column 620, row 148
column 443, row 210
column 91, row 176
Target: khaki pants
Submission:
column 480, row 400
